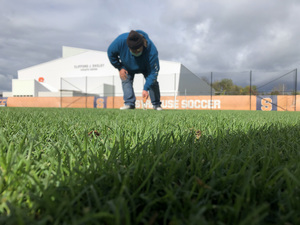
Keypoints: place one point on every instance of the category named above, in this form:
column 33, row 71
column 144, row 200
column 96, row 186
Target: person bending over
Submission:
column 133, row 53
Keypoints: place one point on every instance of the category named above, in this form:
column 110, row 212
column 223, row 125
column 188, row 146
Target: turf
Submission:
column 105, row 166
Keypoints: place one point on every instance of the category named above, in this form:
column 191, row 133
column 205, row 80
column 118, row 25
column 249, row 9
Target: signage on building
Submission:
column 266, row 103
column 184, row 104
column 88, row 67
column 3, row 102
column 100, row 102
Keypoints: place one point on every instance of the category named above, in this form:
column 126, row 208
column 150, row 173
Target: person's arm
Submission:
column 153, row 69
column 123, row 74
column 113, row 53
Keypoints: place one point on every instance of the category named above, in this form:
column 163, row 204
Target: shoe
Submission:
column 125, row 107
column 158, row 108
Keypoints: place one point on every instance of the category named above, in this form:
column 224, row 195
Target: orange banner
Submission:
column 194, row 102
column 220, row 102
column 56, row 102
column 288, row 103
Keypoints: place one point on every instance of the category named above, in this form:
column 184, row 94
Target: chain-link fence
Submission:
column 278, row 89
column 248, row 90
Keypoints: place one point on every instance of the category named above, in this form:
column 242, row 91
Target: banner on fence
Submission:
column 266, row 103
column 193, row 102
column 100, row 102
column 3, row 102
column 262, row 103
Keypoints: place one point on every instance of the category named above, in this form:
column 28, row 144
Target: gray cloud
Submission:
column 208, row 35
column 5, row 82
column 240, row 35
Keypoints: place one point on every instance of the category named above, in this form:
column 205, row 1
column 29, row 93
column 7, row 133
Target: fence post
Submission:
column 185, row 97
column 86, row 91
column 250, row 88
column 296, row 89
column 174, row 90
column 211, row 88
column 60, row 92
column 113, row 101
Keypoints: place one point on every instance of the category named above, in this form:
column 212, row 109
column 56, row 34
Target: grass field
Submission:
column 92, row 166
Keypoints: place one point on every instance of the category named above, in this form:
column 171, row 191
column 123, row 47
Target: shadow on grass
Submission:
column 195, row 177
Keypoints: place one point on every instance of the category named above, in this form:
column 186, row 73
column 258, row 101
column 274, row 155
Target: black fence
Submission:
column 264, row 86
column 259, row 84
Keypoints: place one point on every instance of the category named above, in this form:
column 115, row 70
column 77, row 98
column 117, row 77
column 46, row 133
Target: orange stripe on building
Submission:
column 221, row 102
column 55, row 102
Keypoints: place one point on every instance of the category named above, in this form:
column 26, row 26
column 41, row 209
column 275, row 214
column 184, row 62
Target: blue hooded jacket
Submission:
column 120, row 57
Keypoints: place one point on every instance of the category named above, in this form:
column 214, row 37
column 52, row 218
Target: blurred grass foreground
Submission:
column 106, row 166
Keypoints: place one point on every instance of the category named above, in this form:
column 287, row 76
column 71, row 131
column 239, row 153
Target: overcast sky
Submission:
column 204, row 35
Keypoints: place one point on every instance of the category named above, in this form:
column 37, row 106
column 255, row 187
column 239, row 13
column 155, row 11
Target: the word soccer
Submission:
column 184, row 104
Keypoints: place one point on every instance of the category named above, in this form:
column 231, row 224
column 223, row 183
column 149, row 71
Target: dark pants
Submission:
column 129, row 96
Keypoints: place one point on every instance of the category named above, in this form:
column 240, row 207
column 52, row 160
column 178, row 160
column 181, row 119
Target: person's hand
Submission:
column 123, row 74
column 145, row 95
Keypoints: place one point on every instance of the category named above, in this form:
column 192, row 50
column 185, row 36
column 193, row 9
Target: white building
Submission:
column 89, row 72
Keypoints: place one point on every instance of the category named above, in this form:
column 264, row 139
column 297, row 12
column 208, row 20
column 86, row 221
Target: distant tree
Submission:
column 295, row 93
column 224, row 86
column 246, row 90
column 227, row 87
column 275, row 92
column 279, row 90
column 254, row 89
